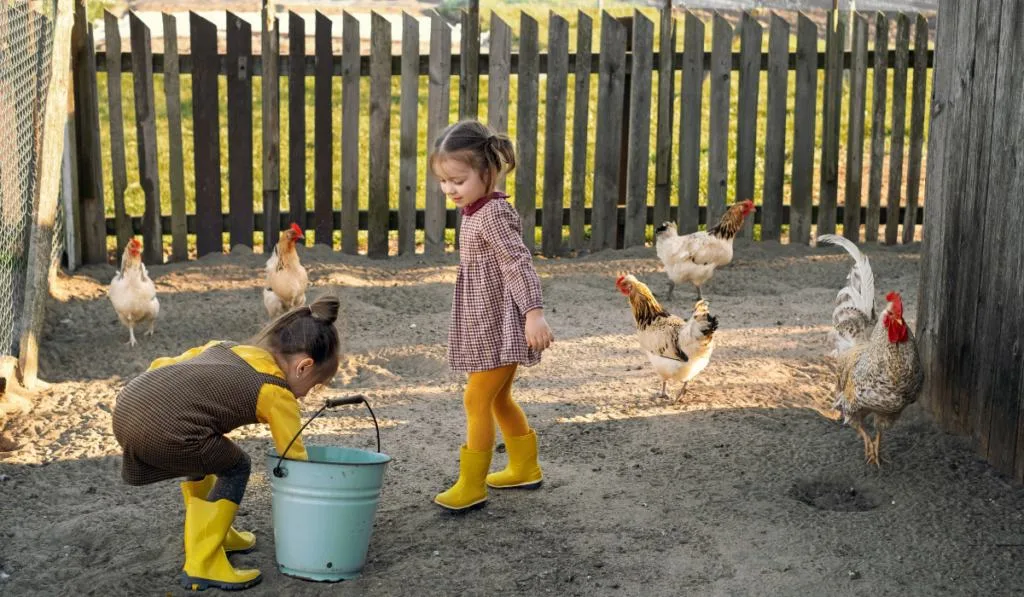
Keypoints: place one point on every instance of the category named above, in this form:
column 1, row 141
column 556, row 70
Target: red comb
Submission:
column 296, row 229
column 897, row 303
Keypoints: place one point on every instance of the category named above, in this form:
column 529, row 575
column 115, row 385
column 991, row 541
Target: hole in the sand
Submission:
column 834, row 495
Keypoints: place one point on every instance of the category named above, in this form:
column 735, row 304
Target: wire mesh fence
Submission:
column 26, row 42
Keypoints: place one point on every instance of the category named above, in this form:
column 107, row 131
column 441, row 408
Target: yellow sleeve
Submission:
column 188, row 354
column 277, row 407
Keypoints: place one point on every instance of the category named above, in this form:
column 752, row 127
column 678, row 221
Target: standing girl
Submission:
column 171, row 422
column 497, row 320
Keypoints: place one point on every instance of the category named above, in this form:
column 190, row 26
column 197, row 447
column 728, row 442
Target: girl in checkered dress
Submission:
column 497, row 320
column 171, row 422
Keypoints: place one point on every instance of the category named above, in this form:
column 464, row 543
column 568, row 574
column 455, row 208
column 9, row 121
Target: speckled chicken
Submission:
column 678, row 349
column 879, row 370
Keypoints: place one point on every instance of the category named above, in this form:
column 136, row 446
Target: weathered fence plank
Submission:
column 526, row 127
column 829, row 181
column 663, row 140
column 469, row 65
column 145, row 133
column 206, row 135
column 323, row 164
column 270, row 46
column 175, row 146
column 500, row 66
column 90, row 168
column 804, row 116
column 610, row 92
column 350, row 156
column 437, row 119
column 855, row 129
column 718, row 140
column 296, row 118
column 899, row 124
column 240, row 183
column 640, row 131
column 380, row 135
column 917, row 108
column 691, row 98
column 580, row 130
column 881, row 81
column 554, row 140
column 746, row 123
column 407, row 185
column 775, row 135
column 118, row 169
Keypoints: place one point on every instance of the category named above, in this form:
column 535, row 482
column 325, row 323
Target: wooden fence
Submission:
column 627, row 93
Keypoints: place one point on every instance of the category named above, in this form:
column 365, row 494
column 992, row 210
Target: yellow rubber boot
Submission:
column 206, row 564
column 234, row 541
column 469, row 492
column 522, row 471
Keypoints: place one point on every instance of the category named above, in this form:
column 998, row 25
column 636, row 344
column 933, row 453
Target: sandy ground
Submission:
column 744, row 488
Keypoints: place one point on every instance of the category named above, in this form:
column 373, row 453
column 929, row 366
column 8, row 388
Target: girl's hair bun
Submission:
column 325, row 309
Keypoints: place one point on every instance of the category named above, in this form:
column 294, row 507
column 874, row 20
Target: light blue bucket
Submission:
column 323, row 508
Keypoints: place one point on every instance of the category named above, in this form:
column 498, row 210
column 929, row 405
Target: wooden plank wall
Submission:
column 970, row 334
column 667, row 187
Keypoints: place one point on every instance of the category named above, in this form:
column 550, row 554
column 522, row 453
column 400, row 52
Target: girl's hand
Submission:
column 538, row 333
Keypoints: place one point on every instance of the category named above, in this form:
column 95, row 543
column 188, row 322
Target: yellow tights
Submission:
column 489, row 397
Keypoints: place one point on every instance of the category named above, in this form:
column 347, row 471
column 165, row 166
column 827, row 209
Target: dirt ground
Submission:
column 747, row 487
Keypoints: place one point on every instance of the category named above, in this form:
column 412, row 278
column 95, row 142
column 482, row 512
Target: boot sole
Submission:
column 527, row 486
column 191, row 583
column 469, row 508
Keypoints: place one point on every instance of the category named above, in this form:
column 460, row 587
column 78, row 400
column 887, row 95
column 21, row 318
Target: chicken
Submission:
column 879, row 369
column 694, row 257
column 678, row 349
column 133, row 293
column 286, row 278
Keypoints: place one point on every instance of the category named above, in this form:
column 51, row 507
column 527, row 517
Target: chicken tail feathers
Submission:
column 854, row 313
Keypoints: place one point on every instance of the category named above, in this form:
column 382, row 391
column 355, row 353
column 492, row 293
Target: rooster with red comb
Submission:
column 879, row 370
column 286, row 278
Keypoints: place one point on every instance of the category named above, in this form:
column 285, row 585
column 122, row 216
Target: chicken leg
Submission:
column 131, row 335
column 682, row 392
column 152, row 324
column 664, row 385
column 671, row 287
column 869, row 446
column 700, row 295
column 877, row 448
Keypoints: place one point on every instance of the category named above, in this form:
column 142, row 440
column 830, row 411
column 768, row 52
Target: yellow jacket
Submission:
column 276, row 406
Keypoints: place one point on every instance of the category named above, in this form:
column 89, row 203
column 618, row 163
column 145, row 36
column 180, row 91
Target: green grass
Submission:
column 134, row 199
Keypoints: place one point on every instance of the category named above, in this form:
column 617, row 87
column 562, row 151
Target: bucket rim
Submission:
column 387, row 458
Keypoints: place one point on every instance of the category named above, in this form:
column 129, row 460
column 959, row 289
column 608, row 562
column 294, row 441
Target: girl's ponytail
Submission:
column 307, row 330
column 325, row 309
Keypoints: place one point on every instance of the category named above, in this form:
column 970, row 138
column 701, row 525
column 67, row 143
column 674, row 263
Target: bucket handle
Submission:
column 279, row 472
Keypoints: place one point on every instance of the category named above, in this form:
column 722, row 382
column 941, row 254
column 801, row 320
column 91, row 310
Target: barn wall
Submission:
column 971, row 323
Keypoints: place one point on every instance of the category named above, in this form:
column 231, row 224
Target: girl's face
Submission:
column 303, row 375
column 460, row 181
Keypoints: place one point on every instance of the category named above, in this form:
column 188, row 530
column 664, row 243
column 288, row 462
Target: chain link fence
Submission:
column 26, row 42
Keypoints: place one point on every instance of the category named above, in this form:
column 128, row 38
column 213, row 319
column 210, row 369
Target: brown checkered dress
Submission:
column 171, row 421
column 496, row 286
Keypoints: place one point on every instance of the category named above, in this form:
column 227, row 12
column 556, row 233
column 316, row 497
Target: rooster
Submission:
column 694, row 257
column 286, row 278
column 678, row 349
column 133, row 293
column 879, row 370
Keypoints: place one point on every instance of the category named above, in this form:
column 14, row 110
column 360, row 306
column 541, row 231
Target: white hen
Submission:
column 133, row 293
column 286, row 278
column 694, row 257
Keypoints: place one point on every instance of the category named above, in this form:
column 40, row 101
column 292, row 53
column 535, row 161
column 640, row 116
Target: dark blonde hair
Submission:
column 305, row 330
column 491, row 154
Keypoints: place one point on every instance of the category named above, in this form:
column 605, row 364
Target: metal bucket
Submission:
column 323, row 508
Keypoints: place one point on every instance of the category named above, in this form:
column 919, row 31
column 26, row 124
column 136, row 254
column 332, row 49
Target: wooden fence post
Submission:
column 580, row 130
column 176, row 166
column 87, row 133
column 880, row 81
column 323, row 163
column 380, row 136
column 270, row 121
column 663, row 136
column 775, row 135
column 48, row 191
column 855, row 129
column 610, row 91
column 691, row 96
column 469, row 63
column 297, row 119
column 804, row 116
column 917, row 109
column 118, row 170
column 437, row 119
column 899, row 127
column 350, row 155
column 638, row 156
column 240, row 174
column 554, row 139
column 145, row 134
column 526, row 128
column 833, row 95
column 408, row 188
column 206, row 135
column 751, row 34
column 718, row 142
